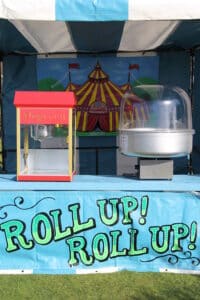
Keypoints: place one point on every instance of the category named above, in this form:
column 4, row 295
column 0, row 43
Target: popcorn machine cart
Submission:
column 45, row 135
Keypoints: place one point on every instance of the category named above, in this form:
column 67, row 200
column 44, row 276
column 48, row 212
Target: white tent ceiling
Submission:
column 99, row 10
column 65, row 26
column 54, row 36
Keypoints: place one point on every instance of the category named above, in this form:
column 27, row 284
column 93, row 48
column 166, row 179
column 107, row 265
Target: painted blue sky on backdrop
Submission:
column 116, row 67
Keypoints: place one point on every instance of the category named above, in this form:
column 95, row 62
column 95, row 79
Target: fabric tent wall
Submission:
column 196, row 112
column 20, row 74
column 175, row 71
column 102, row 162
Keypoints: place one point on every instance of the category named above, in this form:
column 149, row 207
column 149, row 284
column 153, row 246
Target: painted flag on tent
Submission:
column 134, row 66
column 74, row 66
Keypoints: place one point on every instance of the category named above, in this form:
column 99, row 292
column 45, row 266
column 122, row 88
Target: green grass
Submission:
column 121, row 285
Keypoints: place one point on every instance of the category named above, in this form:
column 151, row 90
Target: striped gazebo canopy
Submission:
column 99, row 10
column 63, row 26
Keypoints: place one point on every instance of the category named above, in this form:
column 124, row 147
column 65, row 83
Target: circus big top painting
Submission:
column 99, row 84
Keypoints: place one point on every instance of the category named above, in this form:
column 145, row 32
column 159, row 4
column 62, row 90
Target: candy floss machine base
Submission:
column 156, row 126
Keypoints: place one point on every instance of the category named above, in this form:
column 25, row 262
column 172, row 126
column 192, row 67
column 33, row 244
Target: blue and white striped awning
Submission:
column 99, row 10
column 63, row 26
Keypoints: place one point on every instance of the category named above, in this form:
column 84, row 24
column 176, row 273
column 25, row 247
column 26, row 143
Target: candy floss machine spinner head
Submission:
column 156, row 122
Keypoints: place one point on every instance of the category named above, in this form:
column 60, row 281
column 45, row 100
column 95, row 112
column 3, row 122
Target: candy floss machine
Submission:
column 156, row 126
column 45, row 135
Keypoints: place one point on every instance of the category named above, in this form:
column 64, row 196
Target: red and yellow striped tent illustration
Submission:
column 135, row 113
column 98, row 102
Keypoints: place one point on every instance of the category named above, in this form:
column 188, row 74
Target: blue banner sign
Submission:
column 67, row 232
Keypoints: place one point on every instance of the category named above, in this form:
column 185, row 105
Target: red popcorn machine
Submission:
column 46, row 135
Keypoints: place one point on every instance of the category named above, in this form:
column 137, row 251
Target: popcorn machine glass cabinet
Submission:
column 45, row 144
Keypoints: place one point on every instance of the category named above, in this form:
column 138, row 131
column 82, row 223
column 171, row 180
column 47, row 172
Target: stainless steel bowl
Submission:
column 149, row 142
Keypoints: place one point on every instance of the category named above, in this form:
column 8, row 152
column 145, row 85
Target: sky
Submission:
column 116, row 67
